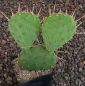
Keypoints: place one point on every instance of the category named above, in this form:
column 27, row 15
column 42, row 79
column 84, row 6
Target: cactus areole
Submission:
column 58, row 29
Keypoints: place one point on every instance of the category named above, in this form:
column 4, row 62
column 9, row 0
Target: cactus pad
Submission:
column 24, row 27
column 36, row 58
column 58, row 29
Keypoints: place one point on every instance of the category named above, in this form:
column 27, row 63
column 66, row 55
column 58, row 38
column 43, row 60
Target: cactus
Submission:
column 58, row 29
column 36, row 58
column 24, row 27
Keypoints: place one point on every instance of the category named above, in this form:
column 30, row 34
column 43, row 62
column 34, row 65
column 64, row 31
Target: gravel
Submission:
column 70, row 67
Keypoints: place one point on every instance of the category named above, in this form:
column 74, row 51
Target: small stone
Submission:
column 1, row 16
column 0, row 66
column 9, row 80
column 5, row 75
column 80, row 69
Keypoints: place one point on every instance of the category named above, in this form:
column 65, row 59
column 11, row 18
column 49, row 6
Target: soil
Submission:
column 70, row 67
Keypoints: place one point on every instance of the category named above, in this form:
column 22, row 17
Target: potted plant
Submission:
column 56, row 30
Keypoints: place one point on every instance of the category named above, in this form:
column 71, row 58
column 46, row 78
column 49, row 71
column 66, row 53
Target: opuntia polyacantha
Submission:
column 56, row 30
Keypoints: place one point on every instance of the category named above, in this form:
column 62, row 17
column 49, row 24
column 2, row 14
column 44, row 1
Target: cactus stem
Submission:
column 39, row 11
column 11, row 11
column 19, row 8
column 4, row 15
column 80, row 18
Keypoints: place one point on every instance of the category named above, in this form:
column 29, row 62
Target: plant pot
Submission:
column 26, row 78
column 40, row 81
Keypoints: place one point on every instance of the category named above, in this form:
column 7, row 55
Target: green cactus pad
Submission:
column 24, row 27
column 36, row 58
column 58, row 29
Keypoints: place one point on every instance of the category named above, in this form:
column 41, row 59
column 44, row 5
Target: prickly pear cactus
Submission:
column 36, row 58
column 24, row 27
column 58, row 29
